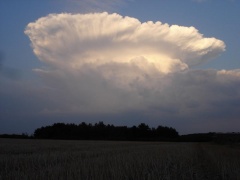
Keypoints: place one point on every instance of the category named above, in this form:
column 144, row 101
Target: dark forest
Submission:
column 100, row 131
column 142, row 132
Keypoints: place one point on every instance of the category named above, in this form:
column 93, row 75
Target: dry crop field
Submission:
column 57, row 159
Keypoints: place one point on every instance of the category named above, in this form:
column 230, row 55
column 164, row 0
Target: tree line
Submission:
column 142, row 132
column 100, row 131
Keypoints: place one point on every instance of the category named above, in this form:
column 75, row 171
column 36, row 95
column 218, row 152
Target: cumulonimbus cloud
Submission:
column 102, row 62
column 76, row 39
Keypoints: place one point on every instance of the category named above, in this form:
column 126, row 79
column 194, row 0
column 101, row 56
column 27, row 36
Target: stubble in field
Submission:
column 55, row 159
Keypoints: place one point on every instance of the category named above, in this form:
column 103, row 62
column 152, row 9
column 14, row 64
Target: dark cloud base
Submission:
column 192, row 101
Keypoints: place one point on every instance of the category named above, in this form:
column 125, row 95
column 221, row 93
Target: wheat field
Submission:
column 101, row 160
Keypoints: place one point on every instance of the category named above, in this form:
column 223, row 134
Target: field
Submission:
column 57, row 159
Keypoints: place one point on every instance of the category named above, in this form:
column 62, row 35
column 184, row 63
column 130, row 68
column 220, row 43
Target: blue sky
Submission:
column 24, row 87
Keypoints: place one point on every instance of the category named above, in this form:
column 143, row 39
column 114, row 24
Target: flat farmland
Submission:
column 98, row 160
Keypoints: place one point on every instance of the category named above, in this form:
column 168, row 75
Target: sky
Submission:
column 124, row 62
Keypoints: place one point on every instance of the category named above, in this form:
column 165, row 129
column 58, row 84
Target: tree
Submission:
column 100, row 131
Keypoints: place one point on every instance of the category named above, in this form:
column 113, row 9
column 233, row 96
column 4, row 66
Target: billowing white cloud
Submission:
column 72, row 40
column 106, row 63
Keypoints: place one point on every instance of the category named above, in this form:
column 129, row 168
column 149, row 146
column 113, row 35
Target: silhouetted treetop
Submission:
column 100, row 131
